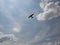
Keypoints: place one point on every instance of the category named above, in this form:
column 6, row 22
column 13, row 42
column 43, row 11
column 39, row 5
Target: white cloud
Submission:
column 11, row 39
column 50, row 10
column 32, row 31
column 5, row 37
column 15, row 29
column 8, row 39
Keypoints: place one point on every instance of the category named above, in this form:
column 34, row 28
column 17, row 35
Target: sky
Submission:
column 17, row 29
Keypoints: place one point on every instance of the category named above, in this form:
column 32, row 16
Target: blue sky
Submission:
column 14, row 18
column 15, row 25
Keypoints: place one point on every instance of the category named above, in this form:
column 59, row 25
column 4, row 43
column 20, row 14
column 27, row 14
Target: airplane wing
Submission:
column 31, row 16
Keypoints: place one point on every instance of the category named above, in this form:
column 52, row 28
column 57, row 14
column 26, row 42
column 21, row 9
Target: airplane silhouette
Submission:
column 31, row 16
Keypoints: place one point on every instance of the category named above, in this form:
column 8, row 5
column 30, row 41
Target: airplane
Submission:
column 31, row 16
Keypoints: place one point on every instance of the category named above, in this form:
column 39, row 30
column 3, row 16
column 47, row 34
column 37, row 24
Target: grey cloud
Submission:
column 4, row 39
column 7, row 37
column 53, row 33
column 10, row 39
column 33, row 31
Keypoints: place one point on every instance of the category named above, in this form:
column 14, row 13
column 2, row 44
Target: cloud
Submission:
column 16, row 27
column 10, row 39
column 50, row 10
column 51, row 15
column 7, row 37
column 32, row 31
